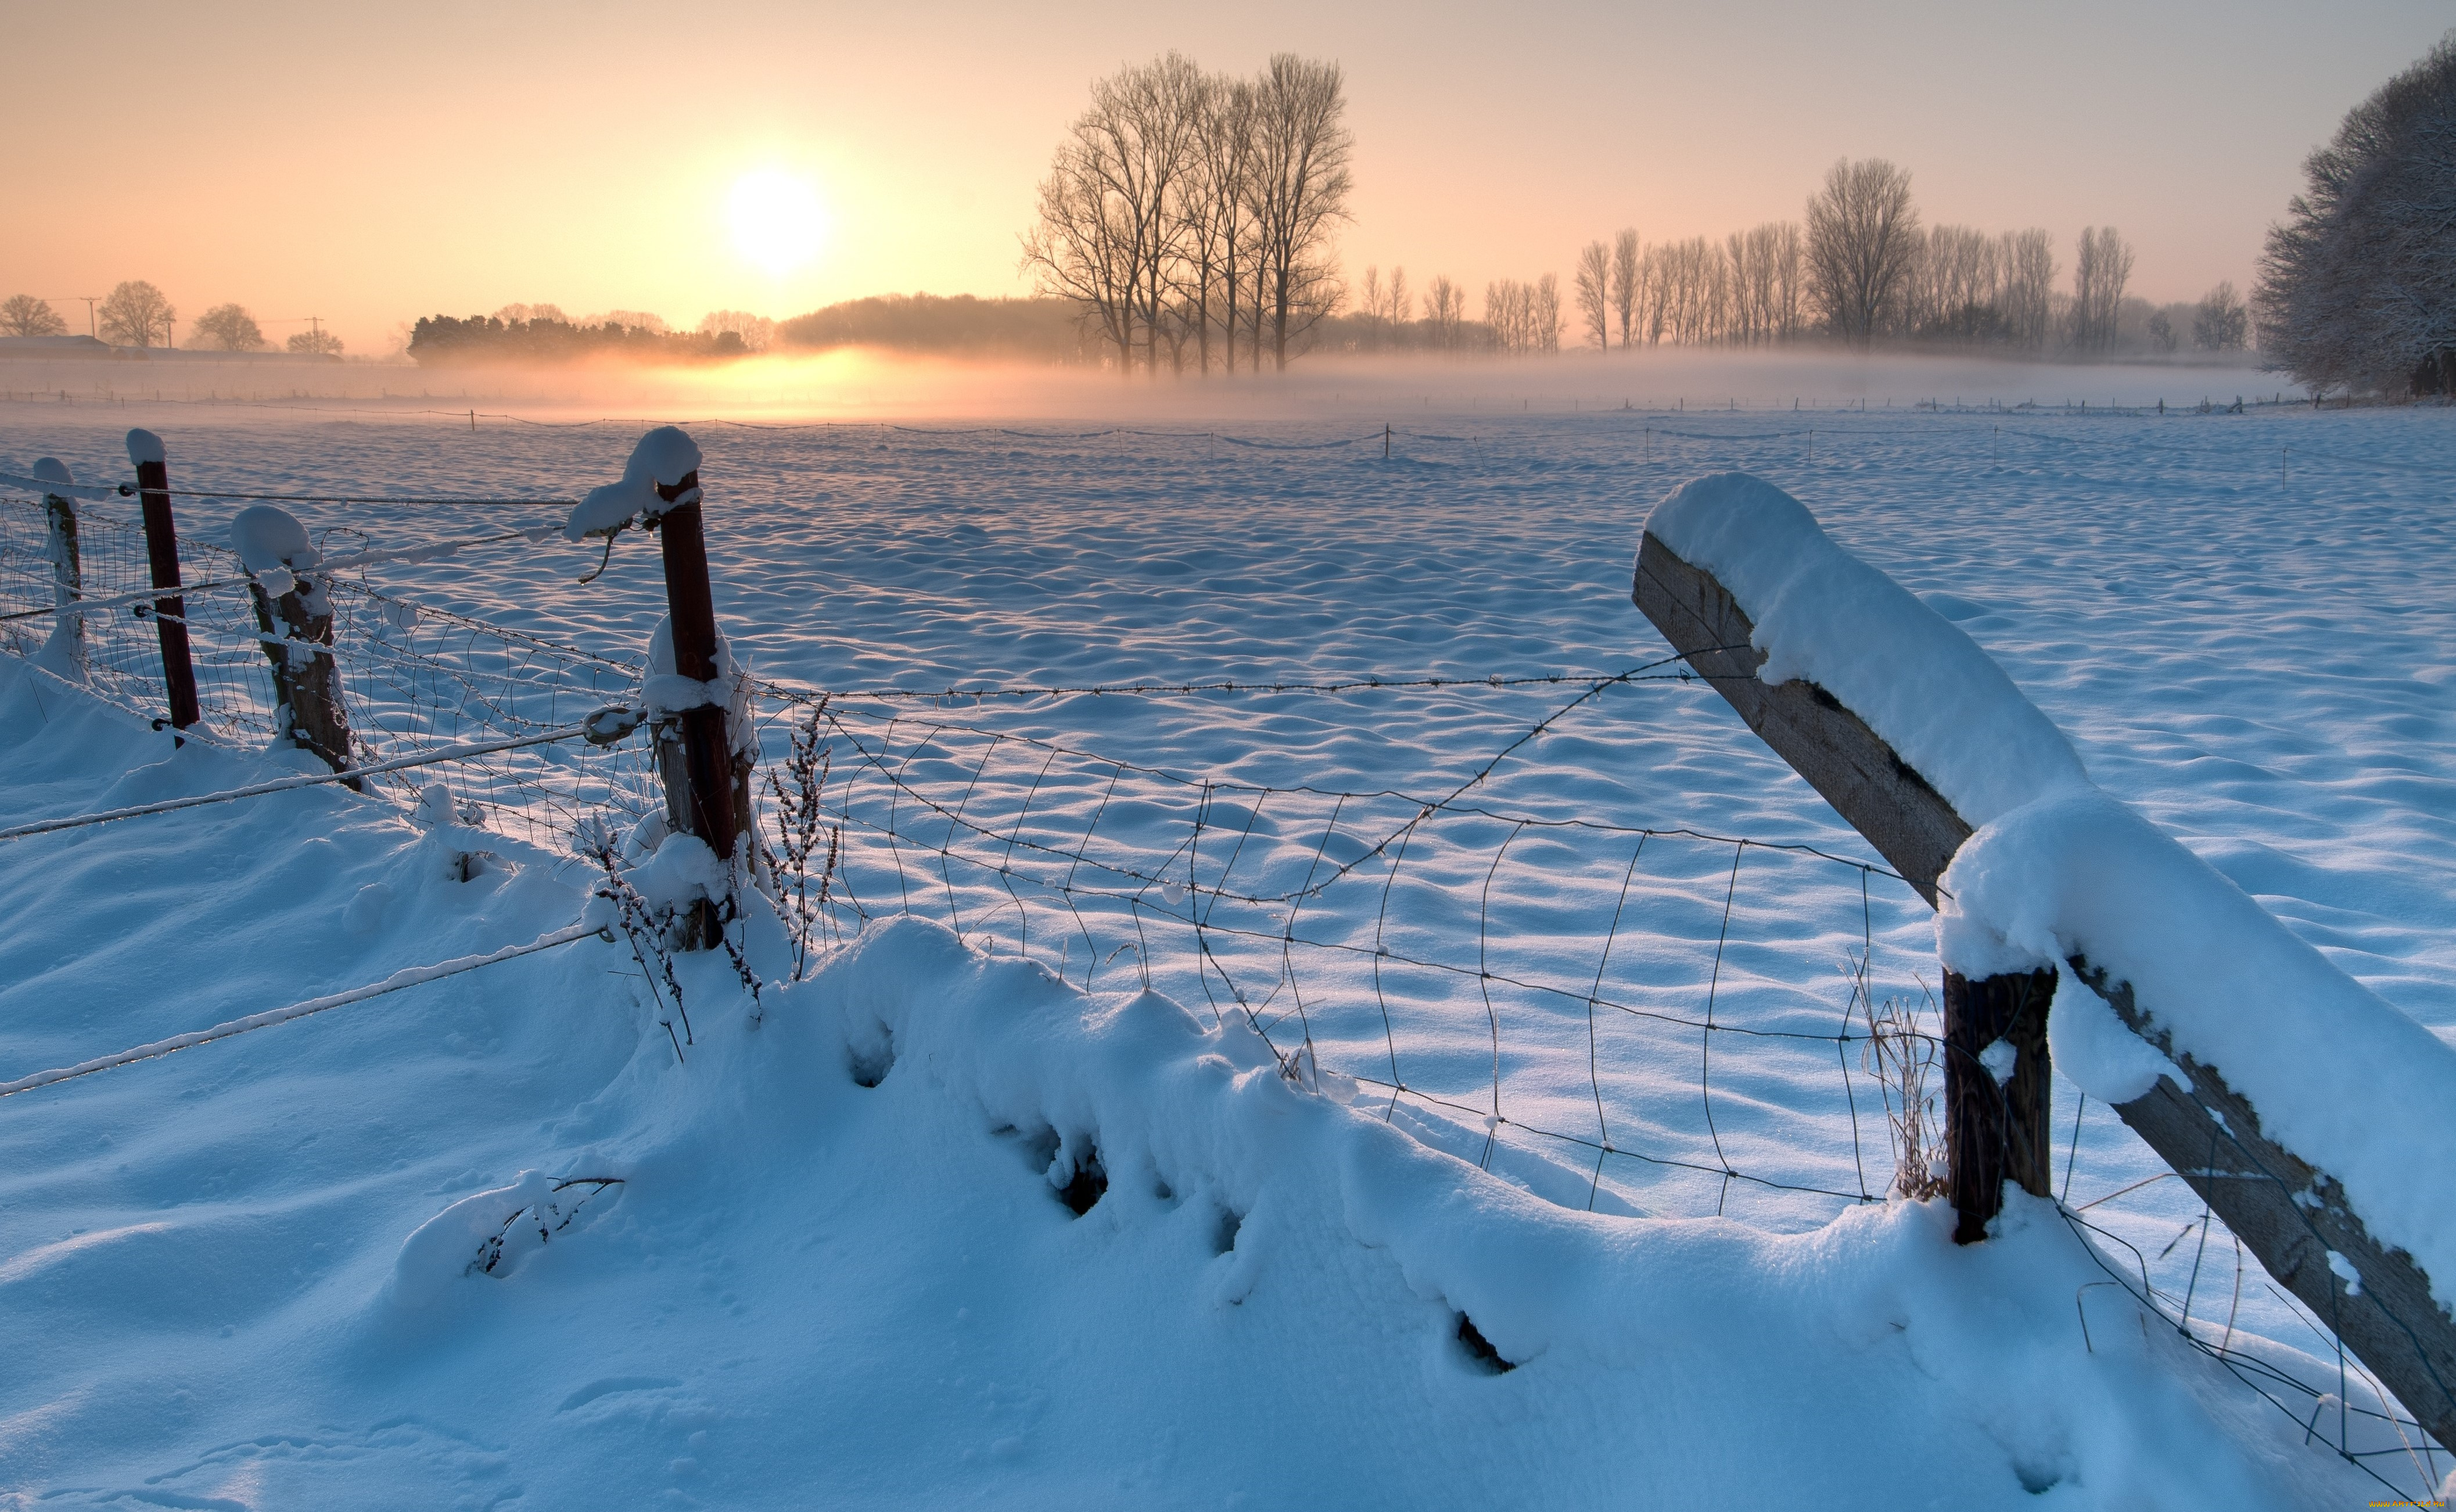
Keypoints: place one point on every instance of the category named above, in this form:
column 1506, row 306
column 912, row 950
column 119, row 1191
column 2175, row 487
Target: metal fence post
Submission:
column 162, row 555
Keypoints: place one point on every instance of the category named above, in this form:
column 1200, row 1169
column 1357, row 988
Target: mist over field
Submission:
column 867, row 385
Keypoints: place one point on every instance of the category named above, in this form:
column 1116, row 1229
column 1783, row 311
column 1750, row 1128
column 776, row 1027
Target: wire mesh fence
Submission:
column 414, row 678
column 1634, row 1017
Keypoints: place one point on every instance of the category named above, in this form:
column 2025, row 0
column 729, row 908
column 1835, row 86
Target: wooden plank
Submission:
column 2288, row 1214
column 1908, row 822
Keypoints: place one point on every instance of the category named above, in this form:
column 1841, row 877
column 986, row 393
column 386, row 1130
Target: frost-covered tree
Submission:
column 136, row 313
column 24, row 314
column 1863, row 237
column 230, row 328
column 2358, row 285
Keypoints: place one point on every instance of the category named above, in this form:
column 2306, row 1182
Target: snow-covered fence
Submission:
column 1440, row 956
column 414, row 680
column 2305, row 1112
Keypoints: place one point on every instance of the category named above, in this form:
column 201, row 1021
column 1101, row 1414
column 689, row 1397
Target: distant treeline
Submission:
column 961, row 325
column 441, row 340
column 1043, row 330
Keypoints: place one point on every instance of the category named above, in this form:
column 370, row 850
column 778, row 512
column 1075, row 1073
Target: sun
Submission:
column 776, row 220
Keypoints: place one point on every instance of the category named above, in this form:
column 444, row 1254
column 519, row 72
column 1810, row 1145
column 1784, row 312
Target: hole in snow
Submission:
column 1480, row 1352
column 2036, row 1480
column 1087, row 1186
column 869, row 1066
column 1223, row 1239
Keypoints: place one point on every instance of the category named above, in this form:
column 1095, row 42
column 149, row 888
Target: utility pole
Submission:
column 91, row 300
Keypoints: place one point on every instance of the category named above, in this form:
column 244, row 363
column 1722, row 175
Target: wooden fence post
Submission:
column 162, row 555
column 1995, row 1125
column 2292, row 1215
column 713, row 794
column 294, row 617
column 64, row 651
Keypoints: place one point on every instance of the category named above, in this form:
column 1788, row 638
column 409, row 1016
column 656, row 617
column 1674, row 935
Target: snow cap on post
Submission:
column 144, row 447
column 1825, row 617
column 53, row 470
column 266, row 538
column 664, row 457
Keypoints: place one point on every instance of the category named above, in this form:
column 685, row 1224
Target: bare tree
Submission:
column 1445, row 312
column 1625, row 283
column 1654, row 294
column 1543, row 311
column 1302, row 150
column 2219, row 322
column 1862, row 235
column 318, row 342
column 2026, row 261
column 134, row 314
column 24, row 314
column 1594, row 294
column 757, row 332
column 1962, row 285
column 1083, row 245
column 1215, row 198
column 230, row 328
column 1786, row 256
column 2100, row 272
column 1504, row 314
column 1398, row 304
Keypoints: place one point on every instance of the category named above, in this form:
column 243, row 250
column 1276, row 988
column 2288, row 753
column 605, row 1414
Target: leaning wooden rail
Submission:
column 2294, row 1215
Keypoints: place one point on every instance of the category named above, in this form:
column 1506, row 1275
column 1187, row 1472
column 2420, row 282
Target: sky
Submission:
column 367, row 164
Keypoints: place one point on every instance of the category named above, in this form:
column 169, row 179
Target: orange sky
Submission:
column 368, row 164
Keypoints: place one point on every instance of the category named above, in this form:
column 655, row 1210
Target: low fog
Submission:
column 860, row 385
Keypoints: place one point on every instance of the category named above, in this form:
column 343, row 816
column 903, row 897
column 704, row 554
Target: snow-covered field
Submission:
column 811, row 1291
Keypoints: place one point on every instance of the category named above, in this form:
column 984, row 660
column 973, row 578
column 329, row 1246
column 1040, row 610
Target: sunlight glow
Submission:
column 776, row 220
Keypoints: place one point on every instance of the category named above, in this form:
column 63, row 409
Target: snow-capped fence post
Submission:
column 692, row 695
column 169, row 612
column 64, row 652
column 2073, row 873
column 706, row 748
column 1995, row 1100
column 293, row 620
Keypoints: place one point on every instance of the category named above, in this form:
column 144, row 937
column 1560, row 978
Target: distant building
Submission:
column 54, row 346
